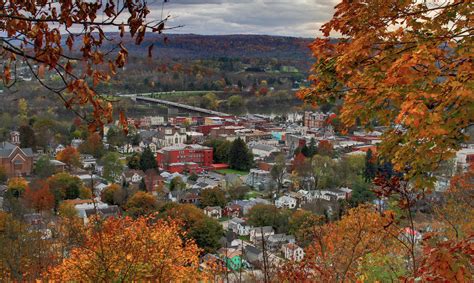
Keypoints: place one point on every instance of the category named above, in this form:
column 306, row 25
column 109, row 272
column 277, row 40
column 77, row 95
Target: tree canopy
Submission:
column 405, row 65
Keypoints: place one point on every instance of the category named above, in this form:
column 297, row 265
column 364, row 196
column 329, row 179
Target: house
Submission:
column 239, row 226
column 292, row 251
column 261, row 150
column 274, row 242
column 286, row 202
column 253, row 255
column 259, row 179
column 59, row 148
column 58, row 165
column 133, row 176
column 246, row 205
column 88, row 207
column 76, row 143
column 88, row 161
column 232, row 258
column 232, row 210
column 15, row 160
column 257, row 233
column 213, row 211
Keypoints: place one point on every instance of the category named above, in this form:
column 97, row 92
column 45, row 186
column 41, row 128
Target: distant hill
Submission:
column 193, row 46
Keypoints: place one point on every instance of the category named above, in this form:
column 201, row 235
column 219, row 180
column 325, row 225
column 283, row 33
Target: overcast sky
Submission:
column 301, row 18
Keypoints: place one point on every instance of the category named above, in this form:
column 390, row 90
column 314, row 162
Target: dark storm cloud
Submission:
column 275, row 17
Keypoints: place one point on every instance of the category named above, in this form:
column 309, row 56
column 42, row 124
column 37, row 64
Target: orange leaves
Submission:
column 406, row 78
column 339, row 247
column 142, row 249
column 69, row 155
column 33, row 30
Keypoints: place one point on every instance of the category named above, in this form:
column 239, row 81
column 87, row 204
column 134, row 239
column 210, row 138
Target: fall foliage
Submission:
column 124, row 249
column 405, row 65
column 70, row 156
column 35, row 33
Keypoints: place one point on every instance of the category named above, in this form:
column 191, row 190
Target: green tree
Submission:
column 64, row 186
column 134, row 161
column 222, row 152
column 269, row 215
column 370, row 166
column 147, row 160
column 3, row 175
column 278, row 171
column 240, row 157
column 238, row 192
column 203, row 229
column 209, row 101
column 193, row 177
column 323, row 170
column 112, row 166
column 177, row 183
column 213, row 197
column 235, row 101
column 44, row 168
column 27, row 137
column 361, row 192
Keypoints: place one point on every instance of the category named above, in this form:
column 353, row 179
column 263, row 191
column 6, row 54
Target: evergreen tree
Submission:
column 43, row 167
column 147, row 160
column 240, row 157
column 370, row 168
column 312, row 150
column 305, row 151
column 142, row 185
column 27, row 137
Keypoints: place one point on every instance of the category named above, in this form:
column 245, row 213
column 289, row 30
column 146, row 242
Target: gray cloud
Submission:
column 276, row 17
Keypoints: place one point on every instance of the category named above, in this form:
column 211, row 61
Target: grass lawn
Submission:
column 232, row 171
column 253, row 194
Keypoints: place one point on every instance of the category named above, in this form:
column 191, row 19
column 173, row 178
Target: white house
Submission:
column 133, row 176
column 59, row 148
column 213, row 211
column 239, row 226
column 292, row 251
column 286, row 202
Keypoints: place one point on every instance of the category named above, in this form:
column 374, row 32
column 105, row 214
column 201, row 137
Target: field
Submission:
column 232, row 171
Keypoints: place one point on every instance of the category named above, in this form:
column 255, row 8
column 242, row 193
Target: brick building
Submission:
column 185, row 157
column 16, row 161
column 314, row 119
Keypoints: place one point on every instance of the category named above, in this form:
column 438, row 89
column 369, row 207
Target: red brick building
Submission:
column 184, row 157
column 16, row 161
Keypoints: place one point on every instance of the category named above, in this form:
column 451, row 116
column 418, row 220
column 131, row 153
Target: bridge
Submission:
column 180, row 106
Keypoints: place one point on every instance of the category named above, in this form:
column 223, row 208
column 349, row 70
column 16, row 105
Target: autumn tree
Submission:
column 124, row 249
column 113, row 194
column 39, row 197
column 406, row 65
column 16, row 187
column 67, row 39
column 204, row 230
column 141, row 204
column 70, row 156
column 93, row 145
column 213, row 197
column 339, row 247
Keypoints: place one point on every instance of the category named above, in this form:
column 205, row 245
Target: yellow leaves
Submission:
column 142, row 249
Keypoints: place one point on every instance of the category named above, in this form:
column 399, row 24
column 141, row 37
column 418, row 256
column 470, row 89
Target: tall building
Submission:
column 184, row 157
column 314, row 119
